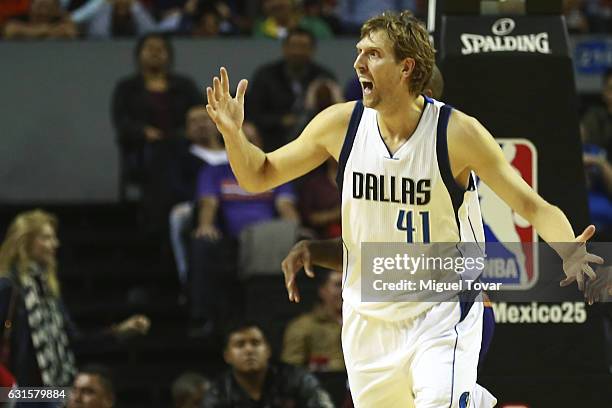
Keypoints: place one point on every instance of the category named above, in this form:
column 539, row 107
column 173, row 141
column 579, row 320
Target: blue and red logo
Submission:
column 512, row 257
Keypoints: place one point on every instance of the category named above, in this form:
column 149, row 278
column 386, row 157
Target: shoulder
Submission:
column 300, row 322
column 182, row 80
column 5, row 284
column 131, row 81
column 271, row 68
column 321, row 71
column 289, row 372
column 464, row 128
column 338, row 114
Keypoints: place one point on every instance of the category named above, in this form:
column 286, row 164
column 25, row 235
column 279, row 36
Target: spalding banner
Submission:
column 515, row 266
column 515, row 34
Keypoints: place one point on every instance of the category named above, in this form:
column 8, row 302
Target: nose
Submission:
column 358, row 64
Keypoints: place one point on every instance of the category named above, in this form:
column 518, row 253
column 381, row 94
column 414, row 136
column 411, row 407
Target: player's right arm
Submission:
column 257, row 171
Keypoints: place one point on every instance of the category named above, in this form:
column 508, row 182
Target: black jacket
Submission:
column 22, row 359
column 271, row 97
column 285, row 387
column 131, row 111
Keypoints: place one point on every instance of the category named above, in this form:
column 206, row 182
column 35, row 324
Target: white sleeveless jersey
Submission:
column 381, row 192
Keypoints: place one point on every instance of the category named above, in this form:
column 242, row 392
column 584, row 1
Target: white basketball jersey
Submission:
column 409, row 196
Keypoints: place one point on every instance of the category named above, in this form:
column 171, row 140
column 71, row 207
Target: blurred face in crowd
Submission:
column 88, row 391
column 194, row 400
column 607, row 92
column 43, row 245
column 208, row 25
column 279, row 10
column 378, row 71
column 298, row 51
column 331, row 291
column 44, row 11
column 154, row 54
column 200, row 128
column 247, row 351
column 122, row 7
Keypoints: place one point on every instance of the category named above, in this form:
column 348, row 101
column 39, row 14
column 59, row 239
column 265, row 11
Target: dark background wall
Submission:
column 57, row 141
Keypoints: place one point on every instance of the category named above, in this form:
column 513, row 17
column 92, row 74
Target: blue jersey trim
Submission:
column 453, row 372
column 455, row 192
column 347, row 146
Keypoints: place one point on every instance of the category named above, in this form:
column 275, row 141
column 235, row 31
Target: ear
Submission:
column 226, row 356
column 407, row 67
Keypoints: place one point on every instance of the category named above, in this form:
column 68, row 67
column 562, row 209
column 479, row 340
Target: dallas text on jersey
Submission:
column 391, row 189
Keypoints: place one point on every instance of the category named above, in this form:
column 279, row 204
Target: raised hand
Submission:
column 298, row 257
column 225, row 111
column 576, row 259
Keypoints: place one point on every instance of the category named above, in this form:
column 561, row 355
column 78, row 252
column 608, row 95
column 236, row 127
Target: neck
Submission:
column 153, row 73
column 252, row 383
column 399, row 119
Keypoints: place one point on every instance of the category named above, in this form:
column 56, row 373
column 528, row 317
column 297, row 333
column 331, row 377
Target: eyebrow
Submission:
column 368, row 47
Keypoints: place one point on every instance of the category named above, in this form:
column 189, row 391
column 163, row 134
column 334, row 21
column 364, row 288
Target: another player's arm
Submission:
column 257, row 171
column 471, row 147
column 326, row 253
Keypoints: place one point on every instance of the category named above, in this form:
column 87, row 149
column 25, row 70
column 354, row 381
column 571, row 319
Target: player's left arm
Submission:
column 471, row 147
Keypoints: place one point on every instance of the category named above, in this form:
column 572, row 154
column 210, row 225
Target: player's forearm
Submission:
column 208, row 211
column 554, row 227
column 326, row 253
column 247, row 162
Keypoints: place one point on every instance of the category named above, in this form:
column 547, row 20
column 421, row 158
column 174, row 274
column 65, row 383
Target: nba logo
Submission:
column 512, row 257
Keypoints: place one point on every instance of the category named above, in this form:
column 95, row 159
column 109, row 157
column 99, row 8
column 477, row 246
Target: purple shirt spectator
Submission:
column 239, row 208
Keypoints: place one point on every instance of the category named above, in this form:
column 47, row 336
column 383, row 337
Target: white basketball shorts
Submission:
column 426, row 362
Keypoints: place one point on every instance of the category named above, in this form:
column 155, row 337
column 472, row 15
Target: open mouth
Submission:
column 367, row 87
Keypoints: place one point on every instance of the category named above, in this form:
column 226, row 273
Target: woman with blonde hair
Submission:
column 37, row 331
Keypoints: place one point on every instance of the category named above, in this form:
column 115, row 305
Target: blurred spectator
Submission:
column 353, row 13
column 188, row 390
column 312, row 20
column 13, row 8
column 599, row 182
column 149, row 110
column 322, row 9
column 282, row 16
column 92, row 388
column 312, row 340
column 599, row 14
column 321, row 93
column 278, row 90
column 576, row 20
column 220, row 195
column 597, row 121
column 320, row 201
column 200, row 18
column 252, row 381
column 45, row 19
column 41, row 352
column 120, row 18
column 205, row 148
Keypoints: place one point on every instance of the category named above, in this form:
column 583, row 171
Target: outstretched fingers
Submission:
column 241, row 90
column 217, row 88
column 224, row 80
column 289, row 271
column 586, row 234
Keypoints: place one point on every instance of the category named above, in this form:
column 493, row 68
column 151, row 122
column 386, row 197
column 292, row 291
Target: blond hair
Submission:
column 410, row 40
column 15, row 250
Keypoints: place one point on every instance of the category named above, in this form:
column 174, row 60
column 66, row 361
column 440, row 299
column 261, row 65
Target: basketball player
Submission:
column 400, row 354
